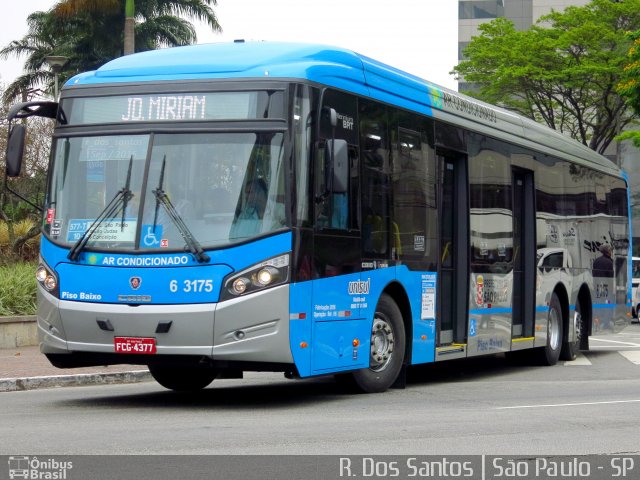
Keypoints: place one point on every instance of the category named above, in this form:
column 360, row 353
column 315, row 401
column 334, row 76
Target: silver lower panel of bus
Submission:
column 252, row 328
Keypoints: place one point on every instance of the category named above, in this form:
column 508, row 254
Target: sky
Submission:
column 417, row 36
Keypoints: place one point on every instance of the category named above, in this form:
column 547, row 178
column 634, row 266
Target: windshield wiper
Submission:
column 120, row 199
column 163, row 199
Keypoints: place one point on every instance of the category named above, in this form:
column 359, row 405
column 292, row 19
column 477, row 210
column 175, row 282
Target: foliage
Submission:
column 18, row 289
column 629, row 86
column 563, row 71
column 90, row 33
column 19, row 242
column 19, row 222
column 35, row 162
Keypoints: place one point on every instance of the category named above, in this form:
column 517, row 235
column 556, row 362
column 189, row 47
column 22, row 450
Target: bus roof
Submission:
column 343, row 69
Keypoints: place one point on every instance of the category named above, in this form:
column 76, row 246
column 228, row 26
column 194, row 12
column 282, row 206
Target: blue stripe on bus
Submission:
column 542, row 309
column 485, row 311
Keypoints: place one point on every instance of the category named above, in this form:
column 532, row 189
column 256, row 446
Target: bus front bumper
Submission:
column 253, row 328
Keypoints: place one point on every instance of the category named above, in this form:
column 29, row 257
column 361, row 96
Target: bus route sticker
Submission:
column 428, row 296
column 110, row 230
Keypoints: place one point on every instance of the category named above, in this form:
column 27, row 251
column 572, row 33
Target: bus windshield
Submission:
column 225, row 187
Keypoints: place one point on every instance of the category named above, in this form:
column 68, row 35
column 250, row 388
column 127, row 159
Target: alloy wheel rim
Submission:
column 382, row 343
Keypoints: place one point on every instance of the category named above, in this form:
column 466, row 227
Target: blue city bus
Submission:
column 222, row 208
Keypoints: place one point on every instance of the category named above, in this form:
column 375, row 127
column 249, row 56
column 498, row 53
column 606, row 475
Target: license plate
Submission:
column 134, row 345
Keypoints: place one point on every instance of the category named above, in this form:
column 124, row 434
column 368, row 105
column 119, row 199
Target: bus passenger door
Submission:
column 453, row 287
column 524, row 254
column 340, row 337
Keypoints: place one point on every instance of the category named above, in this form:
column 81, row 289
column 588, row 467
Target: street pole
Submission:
column 56, row 62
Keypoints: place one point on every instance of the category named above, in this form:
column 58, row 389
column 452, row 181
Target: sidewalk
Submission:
column 25, row 368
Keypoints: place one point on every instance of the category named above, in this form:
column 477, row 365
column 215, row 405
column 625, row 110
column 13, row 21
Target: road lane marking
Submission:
column 580, row 360
column 630, row 344
column 609, row 347
column 611, row 402
column 633, row 356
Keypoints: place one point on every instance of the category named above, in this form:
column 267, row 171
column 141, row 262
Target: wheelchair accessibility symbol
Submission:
column 151, row 236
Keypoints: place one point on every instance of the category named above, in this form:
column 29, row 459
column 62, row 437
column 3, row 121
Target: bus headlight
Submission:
column 267, row 274
column 46, row 278
column 240, row 285
column 41, row 274
column 50, row 283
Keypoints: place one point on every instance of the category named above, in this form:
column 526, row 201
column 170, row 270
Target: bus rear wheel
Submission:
column 550, row 354
column 387, row 347
column 570, row 349
column 183, row 379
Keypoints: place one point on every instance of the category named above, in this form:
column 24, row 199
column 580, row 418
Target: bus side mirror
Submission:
column 340, row 168
column 15, row 149
column 336, row 166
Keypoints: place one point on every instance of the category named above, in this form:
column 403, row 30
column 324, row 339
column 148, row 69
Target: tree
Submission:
column 129, row 27
column 41, row 40
column 14, row 212
column 159, row 22
column 90, row 33
column 562, row 72
column 629, row 86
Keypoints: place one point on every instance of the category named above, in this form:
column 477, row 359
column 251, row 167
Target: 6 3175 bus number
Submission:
column 191, row 286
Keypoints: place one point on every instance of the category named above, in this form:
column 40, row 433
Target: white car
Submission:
column 635, row 291
column 554, row 266
column 550, row 259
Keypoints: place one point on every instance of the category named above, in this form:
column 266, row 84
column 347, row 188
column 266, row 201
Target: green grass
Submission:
column 18, row 289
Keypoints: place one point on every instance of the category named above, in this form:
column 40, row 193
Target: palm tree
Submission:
column 159, row 22
column 90, row 33
column 129, row 27
column 41, row 41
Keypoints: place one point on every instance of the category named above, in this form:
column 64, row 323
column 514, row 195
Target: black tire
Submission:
column 550, row 354
column 183, row 379
column 387, row 348
column 570, row 349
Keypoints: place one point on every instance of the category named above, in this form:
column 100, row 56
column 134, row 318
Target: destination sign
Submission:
column 165, row 107
column 183, row 107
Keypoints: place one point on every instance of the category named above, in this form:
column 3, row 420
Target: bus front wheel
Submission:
column 182, row 379
column 387, row 347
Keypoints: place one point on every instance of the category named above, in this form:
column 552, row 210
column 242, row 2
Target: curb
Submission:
column 19, row 319
column 18, row 331
column 79, row 380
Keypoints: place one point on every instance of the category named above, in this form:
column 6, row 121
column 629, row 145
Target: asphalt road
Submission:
column 481, row 406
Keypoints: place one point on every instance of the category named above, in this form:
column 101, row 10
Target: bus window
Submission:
column 414, row 226
column 490, row 203
column 304, row 122
column 375, row 180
